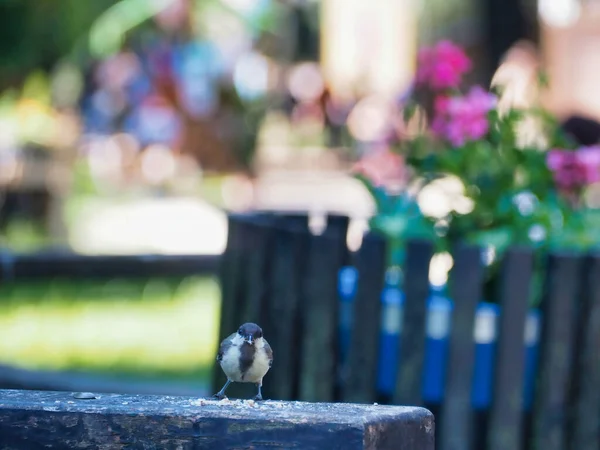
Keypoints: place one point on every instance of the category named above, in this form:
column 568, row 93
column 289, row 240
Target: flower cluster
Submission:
column 442, row 66
column 464, row 118
column 506, row 187
column 573, row 170
column 458, row 119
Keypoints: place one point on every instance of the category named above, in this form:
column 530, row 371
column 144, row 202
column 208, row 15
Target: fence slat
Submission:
column 556, row 352
column 465, row 289
column 412, row 340
column 327, row 254
column 282, row 325
column 230, row 274
column 256, row 270
column 586, row 420
column 362, row 358
column 505, row 429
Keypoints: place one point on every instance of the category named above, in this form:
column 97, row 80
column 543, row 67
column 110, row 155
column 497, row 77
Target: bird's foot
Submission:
column 219, row 396
column 258, row 398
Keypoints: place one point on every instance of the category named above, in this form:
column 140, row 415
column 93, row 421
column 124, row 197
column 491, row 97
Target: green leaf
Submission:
column 499, row 238
column 409, row 112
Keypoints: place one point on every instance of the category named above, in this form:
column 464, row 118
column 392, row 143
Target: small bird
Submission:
column 245, row 357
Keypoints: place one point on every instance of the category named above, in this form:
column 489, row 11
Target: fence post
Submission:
column 412, row 336
column 327, row 255
column 465, row 291
column 556, row 352
column 505, row 429
column 362, row 358
column 586, row 370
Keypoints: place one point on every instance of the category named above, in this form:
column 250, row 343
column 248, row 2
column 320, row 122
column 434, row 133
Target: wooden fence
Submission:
column 276, row 273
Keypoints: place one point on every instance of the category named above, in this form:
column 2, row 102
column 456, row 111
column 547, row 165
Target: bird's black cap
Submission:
column 250, row 330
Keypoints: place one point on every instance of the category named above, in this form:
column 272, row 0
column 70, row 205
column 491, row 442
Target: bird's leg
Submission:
column 221, row 394
column 259, row 396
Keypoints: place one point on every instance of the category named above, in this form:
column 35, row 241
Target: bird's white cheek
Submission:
column 237, row 340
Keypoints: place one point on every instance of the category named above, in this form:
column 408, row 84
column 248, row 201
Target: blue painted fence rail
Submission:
column 439, row 311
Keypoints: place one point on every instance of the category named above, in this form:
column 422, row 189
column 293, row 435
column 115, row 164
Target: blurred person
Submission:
column 585, row 131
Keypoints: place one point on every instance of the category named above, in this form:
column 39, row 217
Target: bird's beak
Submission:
column 249, row 339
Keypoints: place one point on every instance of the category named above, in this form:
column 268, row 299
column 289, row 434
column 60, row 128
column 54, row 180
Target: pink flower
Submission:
column 556, row 159
column 381, row 167
column 479, row 100
column 442, row 66
column 574, row 170
column 566, row 171
column 589, row 159
column 463, row 119
column 441, row 104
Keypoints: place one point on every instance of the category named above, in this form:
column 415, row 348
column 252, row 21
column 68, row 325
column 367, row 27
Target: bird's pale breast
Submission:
column 230, row 363
column 242, row 364
column 259, row 367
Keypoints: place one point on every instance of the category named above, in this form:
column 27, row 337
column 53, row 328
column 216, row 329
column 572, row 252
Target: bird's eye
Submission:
column 259, row 334
column 240, row 331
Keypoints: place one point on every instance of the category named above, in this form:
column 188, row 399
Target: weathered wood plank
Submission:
column 412, row 338
column 465, row 290
column 505, row 429
column 586, row 370
column 556, row 351
column 32, row 420
column 327, row 254
column 361, row 378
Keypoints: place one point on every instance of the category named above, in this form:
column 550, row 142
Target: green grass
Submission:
column 146, row 328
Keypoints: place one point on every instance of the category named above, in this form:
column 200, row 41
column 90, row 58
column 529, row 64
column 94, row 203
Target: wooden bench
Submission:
column 31, row 420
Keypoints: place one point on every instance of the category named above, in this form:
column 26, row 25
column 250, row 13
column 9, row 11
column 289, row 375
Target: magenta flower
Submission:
column 463, row 119
column 441, row 104
column 589, row 159
column 442, row 66
column 574, row 170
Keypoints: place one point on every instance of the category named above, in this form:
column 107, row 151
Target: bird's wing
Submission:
column 269, row 351
column 224, row 346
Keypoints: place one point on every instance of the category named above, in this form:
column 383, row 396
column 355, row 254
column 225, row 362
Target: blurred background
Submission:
column 130, row 127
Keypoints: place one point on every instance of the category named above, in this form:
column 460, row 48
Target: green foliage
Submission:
column 37, row 33
column 398, row 219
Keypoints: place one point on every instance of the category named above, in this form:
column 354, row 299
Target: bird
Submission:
column 245, row 357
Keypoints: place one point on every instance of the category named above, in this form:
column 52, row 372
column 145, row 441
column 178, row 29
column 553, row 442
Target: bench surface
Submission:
column 43, row 419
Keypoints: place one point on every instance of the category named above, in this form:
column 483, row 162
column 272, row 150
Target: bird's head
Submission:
column 250, row 332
